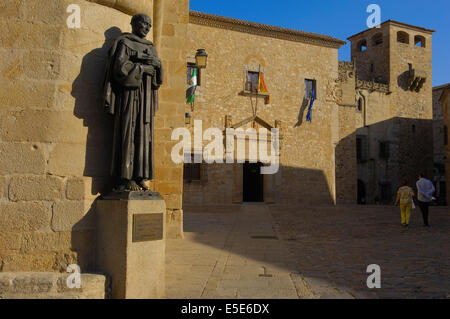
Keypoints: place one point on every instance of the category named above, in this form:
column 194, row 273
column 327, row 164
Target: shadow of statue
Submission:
column 301, row 114
column 402, row 81
column 87, row 89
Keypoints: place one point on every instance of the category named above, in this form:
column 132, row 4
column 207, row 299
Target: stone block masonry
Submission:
column 55, row 139
column 50, row 286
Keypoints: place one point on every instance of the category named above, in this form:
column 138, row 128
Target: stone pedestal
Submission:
column 131, row 244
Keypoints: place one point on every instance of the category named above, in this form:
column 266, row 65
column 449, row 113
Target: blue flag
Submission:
column 313, row 98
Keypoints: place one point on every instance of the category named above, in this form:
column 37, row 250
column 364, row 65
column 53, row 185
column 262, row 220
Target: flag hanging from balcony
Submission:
column 190, row 93
column 262, row 88
column 311, row 104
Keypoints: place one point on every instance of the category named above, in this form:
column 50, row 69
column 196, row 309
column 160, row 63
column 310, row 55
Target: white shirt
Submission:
column 425, row 190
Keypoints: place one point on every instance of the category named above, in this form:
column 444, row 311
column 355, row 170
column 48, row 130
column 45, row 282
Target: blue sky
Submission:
column 344, row 18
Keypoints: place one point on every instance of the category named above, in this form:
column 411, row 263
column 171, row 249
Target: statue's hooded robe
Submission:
column 131, row 96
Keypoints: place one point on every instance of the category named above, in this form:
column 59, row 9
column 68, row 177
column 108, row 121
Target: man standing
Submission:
column 134, row 75
column 425, row 190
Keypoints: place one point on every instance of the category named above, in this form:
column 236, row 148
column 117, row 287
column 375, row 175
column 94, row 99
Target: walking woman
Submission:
column 405, row 198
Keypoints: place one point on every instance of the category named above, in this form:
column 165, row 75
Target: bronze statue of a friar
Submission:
column 134, row 75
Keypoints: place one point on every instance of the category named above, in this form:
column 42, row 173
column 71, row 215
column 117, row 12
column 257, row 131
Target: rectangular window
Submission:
column 361, row 148
column 190, row 69
column 358, row 149
column 251, row 83
column 192, row 171
column 310, row 89
column 384, row 150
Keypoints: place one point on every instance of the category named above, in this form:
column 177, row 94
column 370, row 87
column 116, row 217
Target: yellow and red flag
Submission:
column 262, row 88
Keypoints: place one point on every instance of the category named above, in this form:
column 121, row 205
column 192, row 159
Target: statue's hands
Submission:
column 153, row 61
column 156, row 63
column 147, row 60
column 148, row 69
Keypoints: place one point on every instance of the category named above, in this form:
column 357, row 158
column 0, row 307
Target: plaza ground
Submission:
column 259, row 251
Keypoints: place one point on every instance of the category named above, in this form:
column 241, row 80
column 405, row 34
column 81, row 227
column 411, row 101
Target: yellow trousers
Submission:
column 406, row 213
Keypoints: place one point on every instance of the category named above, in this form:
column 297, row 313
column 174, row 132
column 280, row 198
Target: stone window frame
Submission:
column 362, row 44
column 360, row 104
column 377, row 39
column 189, row 67
column 420, row 39
column 314, row 86
column 403, row 37
column 250, row 85
column 252, row 69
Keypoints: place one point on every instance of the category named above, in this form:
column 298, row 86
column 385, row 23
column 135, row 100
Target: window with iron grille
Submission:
column 377, row 39
column 402, row 37
column 310, row 89
column 251, row 83
column 190, row 69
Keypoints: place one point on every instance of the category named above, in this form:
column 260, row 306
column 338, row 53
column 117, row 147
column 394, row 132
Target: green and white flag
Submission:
column 192, row 87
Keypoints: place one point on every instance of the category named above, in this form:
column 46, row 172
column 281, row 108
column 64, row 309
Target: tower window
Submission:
column 402, row 37
column 377, row 39
column 372, row 67
column 362, row 46
column 419, row 41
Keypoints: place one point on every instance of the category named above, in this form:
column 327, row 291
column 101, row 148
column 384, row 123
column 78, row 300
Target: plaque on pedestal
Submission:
column 131, row 244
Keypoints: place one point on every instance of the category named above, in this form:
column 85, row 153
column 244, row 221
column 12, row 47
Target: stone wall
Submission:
column 445, row 100
column 439, row 146
column 55, row 139
column 307, row 161
column 170, row 33
column 438, row 126
column 346, row 168
column 372, row 64
column 52, row 286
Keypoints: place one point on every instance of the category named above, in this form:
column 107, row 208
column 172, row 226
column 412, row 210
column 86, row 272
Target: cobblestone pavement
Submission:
column 256, row 251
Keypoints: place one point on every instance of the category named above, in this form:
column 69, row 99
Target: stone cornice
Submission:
column 372, row 86
column 394, row 23
column 216, row 21
column 130, row 7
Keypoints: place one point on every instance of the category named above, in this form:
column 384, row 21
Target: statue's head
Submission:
column 141, row 24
